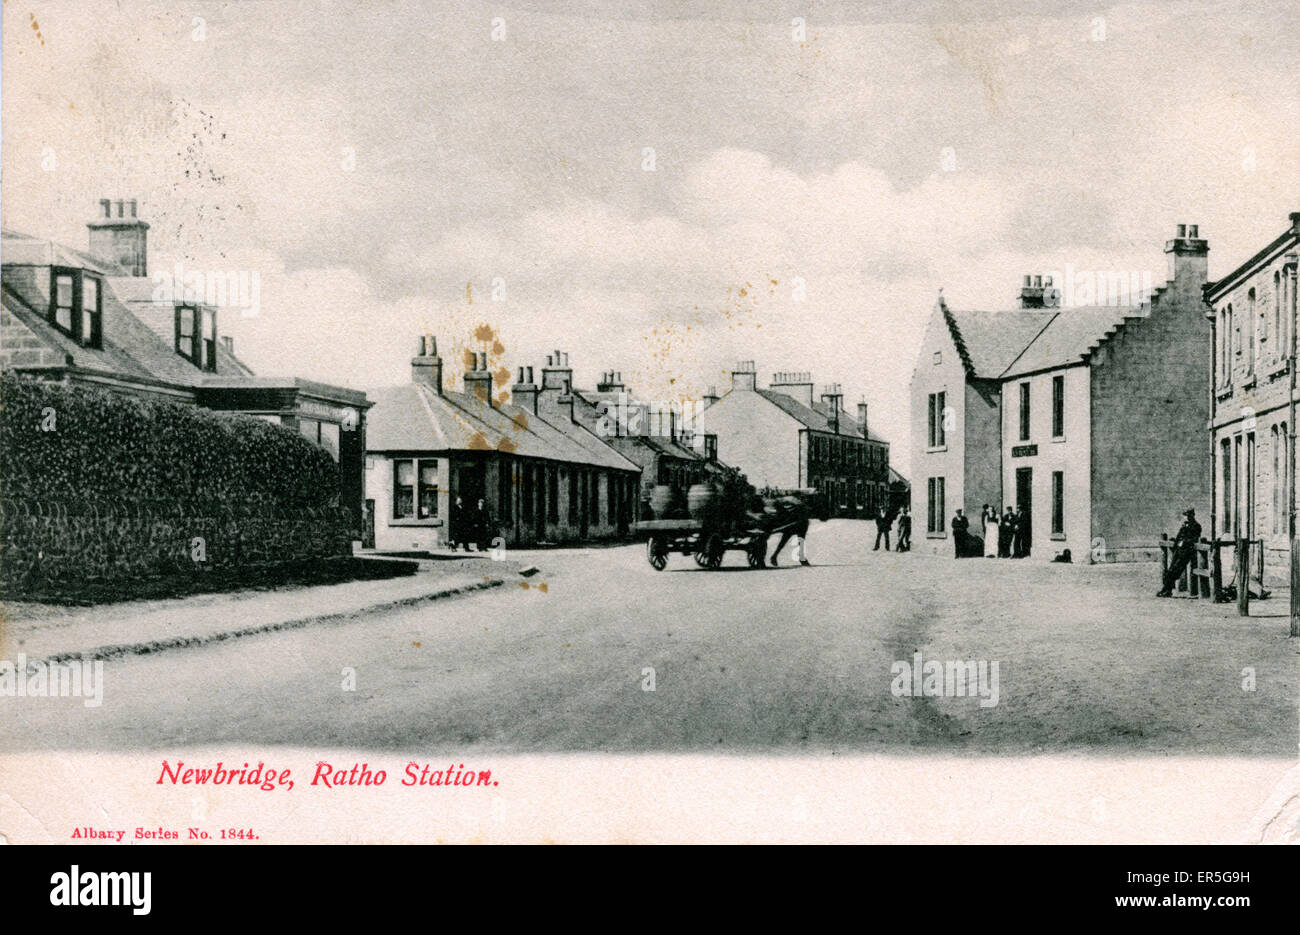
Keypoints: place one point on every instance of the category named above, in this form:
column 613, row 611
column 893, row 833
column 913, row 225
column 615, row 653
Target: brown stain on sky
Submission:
column 976, row 51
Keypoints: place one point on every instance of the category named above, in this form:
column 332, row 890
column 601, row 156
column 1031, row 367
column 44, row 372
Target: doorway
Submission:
column 1025, row 504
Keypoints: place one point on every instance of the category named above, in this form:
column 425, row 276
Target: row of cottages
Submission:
column 658, row 438
column 781, row 438
column 1252, row 313
column 95, row 318
column 1089, row 420
column 543, row 476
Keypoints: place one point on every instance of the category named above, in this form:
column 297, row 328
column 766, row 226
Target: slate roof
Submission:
column 130, row 346
column 585, row 407
column 988, row 342
column 815, row 418
column 1071, row 335
column 414, row 417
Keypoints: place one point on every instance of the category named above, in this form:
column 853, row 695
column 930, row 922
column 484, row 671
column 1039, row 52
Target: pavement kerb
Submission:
column 183, row 642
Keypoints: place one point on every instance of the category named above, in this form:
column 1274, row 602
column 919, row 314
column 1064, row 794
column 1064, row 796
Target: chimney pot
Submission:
column 1193, row 231
column 1182, row 231
column 530, row 374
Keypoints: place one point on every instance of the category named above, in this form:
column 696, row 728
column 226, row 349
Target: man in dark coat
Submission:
column 905, row 530
column 482, row 526
column 960, row 524
column 1006, row 533
column 1184, row 549
column 1020, row 537
column 456, row 526
column 882, row 529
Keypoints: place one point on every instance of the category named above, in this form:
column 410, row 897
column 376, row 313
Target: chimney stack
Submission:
column 611, row 381
column 478, row 378
column 709, row 398
column 426, row 367
column 1189, row 264
column 1039, row 292
column 524, row 393
column 556, row 395
column 229, row 343
column 797, row 385
column 745, row 376
column 119, row 239
column 833, row 399
column 862, row 418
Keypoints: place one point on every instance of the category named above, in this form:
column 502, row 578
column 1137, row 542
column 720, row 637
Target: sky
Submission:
column 661, row 189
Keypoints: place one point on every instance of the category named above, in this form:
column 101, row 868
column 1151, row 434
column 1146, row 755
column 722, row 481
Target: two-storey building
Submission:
column 1252, row 313
column 781, row 438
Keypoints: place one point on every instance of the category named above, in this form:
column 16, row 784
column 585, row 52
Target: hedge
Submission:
column 74, row 443
column 99, row 487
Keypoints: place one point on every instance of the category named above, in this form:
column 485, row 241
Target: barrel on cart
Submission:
column 723, row 517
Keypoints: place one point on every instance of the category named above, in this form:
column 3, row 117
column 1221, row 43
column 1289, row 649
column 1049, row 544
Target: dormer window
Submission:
column 196, row 336
column 76, row 305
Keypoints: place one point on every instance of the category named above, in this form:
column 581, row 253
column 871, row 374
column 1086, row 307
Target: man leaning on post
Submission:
column 1184, row 548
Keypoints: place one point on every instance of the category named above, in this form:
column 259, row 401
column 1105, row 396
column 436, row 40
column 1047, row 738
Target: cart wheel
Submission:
column 656, row 552
column 713, row 551
column 702, row 559
column 758, row 552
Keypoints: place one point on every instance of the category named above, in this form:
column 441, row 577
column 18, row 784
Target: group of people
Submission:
column 1006, row 535
column 468, row 526
column 885, row 521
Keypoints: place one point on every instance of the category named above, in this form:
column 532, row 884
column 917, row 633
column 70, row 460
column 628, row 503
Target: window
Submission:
column 76, row 305
column 1250, row 485
column 324, row 434
column 196, row 336
column 1225, row 485
column 526, row 504
column 1058, row 407
column 415, row 481
column 209, row 337
column 1024, row 412
column 1234, row 341
column 934, row 505
column 937, row 405
column 403, row 489
column 1252, row 326
column 1279, row 349
column 611, row 508
column 1058, row 503
column 552, row 494
column 573, row 491
column 1284, row 480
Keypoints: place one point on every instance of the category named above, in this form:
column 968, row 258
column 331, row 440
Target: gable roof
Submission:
column 988, row 342
column 1071, row 336
column 415, row 417
column 585, row 408
column 815, row 418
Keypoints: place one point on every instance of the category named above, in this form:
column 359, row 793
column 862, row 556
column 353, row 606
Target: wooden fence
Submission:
column 1203, row 576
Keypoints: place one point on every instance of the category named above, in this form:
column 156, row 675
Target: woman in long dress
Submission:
column 991, row 529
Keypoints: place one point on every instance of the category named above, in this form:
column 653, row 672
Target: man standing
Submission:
column 455, row 526
column 1020, row 535
column 482, row 526
column 905, row 530
column 882, row 529
column 1006, row 533
column 1184, row 549
column 959, row 526
column 793, row 514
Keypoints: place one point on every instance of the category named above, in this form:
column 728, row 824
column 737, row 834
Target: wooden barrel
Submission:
column 703, row 501
column 665, row 501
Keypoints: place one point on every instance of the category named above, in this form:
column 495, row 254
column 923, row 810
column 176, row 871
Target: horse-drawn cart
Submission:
column 708, row 543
